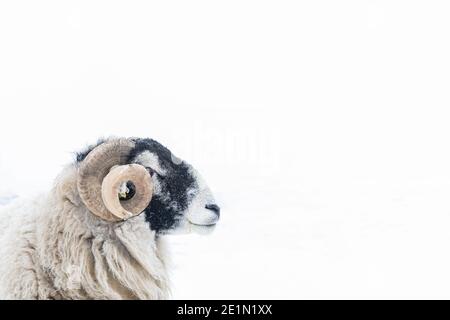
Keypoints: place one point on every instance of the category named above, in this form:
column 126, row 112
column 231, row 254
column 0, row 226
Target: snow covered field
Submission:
column 321, row 126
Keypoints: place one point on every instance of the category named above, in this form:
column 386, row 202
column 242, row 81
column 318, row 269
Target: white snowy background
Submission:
column 322, row 127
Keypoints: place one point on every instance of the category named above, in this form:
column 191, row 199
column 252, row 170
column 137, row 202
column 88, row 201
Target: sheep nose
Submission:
column 213, row 207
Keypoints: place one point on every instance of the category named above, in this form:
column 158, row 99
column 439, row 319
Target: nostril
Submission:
column 213, row 207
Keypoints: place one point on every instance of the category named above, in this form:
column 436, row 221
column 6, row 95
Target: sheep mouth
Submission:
column 203, row 225
column 202, row 229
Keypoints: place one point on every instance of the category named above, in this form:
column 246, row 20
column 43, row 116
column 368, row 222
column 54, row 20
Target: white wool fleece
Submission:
column 54, row 248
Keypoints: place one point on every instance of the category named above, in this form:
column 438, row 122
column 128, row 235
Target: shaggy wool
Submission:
column 52, row 247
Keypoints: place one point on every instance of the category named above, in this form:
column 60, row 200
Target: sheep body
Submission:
column 53, row 248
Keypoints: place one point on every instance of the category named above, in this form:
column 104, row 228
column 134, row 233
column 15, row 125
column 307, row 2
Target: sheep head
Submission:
column 121, row 178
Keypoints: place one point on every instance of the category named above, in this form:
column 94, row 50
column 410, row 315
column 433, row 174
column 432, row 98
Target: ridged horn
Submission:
column 102, row 174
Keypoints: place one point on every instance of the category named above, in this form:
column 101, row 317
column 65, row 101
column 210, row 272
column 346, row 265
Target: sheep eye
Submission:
column 151, row 171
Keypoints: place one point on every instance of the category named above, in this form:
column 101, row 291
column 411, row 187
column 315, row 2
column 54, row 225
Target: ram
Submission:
column 98, row 234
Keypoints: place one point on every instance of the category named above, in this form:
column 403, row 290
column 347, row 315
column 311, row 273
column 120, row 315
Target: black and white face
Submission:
column 182, row 202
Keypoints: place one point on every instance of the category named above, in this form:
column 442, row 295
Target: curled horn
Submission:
column 102, row 174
